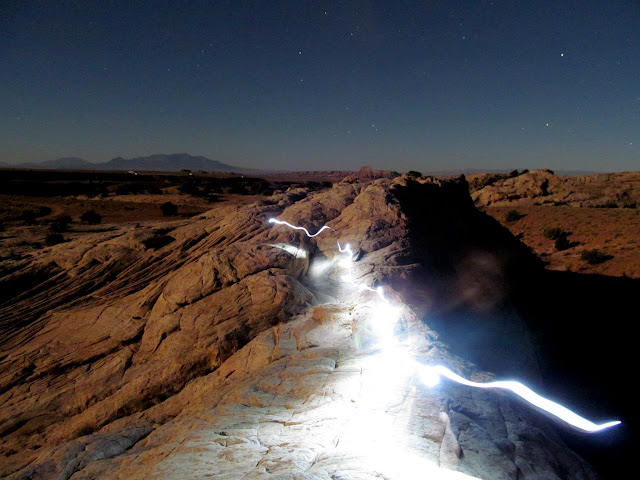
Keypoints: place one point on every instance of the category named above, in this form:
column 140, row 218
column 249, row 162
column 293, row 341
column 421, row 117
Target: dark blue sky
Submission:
column 325, row 85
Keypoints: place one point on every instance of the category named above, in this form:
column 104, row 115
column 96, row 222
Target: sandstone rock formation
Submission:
column 237, row 351
column 543, row 186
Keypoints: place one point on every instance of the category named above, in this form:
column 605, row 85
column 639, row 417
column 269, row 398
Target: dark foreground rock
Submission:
column 236, row 351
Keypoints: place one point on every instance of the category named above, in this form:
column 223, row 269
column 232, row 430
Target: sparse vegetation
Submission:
column 560, row 236
column 60, row 224
column 595, row 256
column 28, row 217
column 54, row 239
column 513, row 216
column 554, row 233
column 169, row 209
column 91, row 217
column 562, row 242
column 157, row 241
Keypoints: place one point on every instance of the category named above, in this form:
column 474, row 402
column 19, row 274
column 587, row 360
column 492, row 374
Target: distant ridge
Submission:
column 474, row 171
column 157, row 162
column 173, row 162
column 63, row 163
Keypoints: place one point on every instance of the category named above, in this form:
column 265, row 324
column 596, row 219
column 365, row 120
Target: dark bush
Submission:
column 514, row 173
column 53, row 239
column 91, row 217
column 60, row 224
column 169, row 209
column 562, row 242
column 554, row 233
column 29, row 217
column 513, row 216
column 43, row 211
column 189, row 188
column 595, row 256
column 158, row 241
column 1, row 227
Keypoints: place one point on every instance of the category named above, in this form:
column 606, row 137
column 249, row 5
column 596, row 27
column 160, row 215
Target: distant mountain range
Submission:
column 183, row 161
column 160, row 162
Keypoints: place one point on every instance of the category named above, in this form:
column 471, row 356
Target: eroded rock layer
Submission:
column 237, row 350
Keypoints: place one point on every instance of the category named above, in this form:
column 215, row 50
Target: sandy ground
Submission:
column 614, row 231
column 19, row 239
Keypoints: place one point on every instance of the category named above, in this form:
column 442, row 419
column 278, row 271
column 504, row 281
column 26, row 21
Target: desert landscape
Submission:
column 352, row 240
column 201, row 340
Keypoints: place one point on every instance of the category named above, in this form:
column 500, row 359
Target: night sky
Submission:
column 425, row 85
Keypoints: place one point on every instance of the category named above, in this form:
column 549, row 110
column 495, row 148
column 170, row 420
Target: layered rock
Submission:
column 238, row 351
column 543, row 186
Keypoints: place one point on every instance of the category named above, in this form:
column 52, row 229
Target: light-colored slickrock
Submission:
column 236, row 351
column 544, row 187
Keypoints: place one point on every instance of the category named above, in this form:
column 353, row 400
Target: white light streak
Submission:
column 384, row 321
column 430, row 373
column 282, row 222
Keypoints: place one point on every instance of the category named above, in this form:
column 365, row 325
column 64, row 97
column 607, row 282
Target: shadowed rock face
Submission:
column 228, row 353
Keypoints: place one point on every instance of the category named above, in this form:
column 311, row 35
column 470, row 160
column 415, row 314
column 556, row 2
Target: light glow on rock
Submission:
column 383, row 324
column 293, row 250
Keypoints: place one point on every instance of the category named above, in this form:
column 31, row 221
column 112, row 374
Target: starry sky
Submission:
column 317, row 85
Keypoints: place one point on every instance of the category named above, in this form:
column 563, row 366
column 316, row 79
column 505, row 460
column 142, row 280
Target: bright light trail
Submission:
column 430, row 375
column 387, row 316
column 282, row 222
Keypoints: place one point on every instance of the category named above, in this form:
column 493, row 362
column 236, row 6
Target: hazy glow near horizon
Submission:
column 386, row 317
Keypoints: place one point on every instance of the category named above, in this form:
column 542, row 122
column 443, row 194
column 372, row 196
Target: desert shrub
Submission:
column 562, row 242
column 595, row 256
column 514, row 173
column 53, row 239
column 1, row 227
column 169, row 209
column 60, row 224
column 29, row 217
column 189, row 188
column 413, row 173
column 554, row 233
column 513, row 216
column 157, row 241
column 610, row 204
column 629, row 205
column 91, row 217
column 43, row 211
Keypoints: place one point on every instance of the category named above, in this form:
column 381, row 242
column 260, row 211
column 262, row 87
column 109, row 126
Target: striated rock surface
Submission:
column 238, row 351
column 543, row 186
